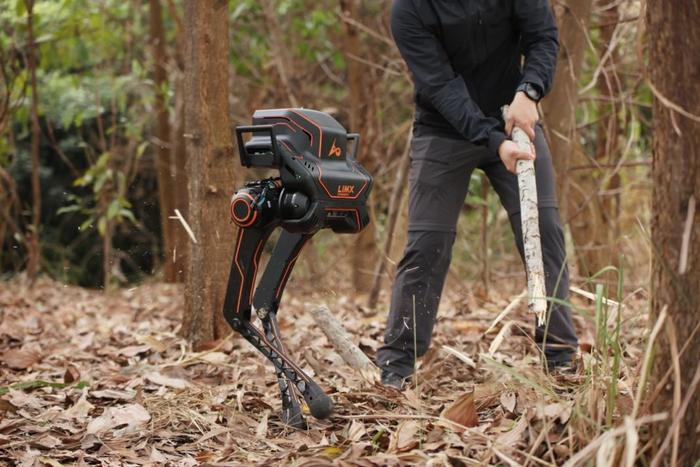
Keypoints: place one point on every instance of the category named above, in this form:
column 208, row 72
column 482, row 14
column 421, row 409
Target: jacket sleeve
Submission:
column 436, row 81
column 539, row 42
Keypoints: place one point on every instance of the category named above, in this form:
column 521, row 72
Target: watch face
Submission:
column 532, row 93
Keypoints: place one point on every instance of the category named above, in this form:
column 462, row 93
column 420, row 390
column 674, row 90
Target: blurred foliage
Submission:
column 96, row 102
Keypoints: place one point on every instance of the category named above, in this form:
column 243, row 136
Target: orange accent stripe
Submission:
column 308, row 133
column 288, row 269
column 255, row 213
column 240, row 270
column 318, row 155
column 320, row 132
column 256, row 258
column 233, row 210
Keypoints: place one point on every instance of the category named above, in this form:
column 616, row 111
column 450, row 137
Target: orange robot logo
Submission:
column 335, row 151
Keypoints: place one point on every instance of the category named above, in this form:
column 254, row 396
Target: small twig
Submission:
column 459, row 355
column 506, row 311
column 590, row 296
column 188, row 229
column 687, row 232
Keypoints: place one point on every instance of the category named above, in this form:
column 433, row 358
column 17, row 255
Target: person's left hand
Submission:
column 522, row 113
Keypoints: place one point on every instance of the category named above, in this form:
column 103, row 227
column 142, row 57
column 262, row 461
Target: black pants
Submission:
column 439, row 181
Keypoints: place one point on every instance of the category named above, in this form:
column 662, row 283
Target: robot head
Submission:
column 321, row 184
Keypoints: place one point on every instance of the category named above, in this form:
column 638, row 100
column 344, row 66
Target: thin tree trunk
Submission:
column 607, row 142
column 163, row 141
column 364, row 250
column 577, row 190
column 209, row 166
column 181, row 198
column 485, row 272
column 675, row 231
column 33, row 240
column 180, row 189
column 280, row 52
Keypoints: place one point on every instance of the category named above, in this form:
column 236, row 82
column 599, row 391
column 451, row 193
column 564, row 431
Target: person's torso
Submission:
column 481, row 40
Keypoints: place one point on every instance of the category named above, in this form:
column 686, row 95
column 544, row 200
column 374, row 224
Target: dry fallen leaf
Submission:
column 404, row 439
column 261, row 430
column 215, row 358
column 462, row 412
column 126, row 395
column 356, row 431
column 158, row 345
column 512, row 437
column 508, row 401
column 80, row 409
column 131, row 415
column 71, row 375
column 133, row 350
column 169, row 381
column 559, row 410
column 18, row 359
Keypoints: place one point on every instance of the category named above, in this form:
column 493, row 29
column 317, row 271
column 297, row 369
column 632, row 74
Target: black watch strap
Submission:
column 531, row 91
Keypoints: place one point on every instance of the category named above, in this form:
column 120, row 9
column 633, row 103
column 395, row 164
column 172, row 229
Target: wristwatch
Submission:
column 531, row 91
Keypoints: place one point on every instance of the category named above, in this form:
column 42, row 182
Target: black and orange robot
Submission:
column 320, row 185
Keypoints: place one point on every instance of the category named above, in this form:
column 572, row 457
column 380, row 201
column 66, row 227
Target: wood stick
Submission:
column 529, row 214
column 346, row 348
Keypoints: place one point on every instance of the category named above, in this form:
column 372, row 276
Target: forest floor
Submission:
column 103, row 379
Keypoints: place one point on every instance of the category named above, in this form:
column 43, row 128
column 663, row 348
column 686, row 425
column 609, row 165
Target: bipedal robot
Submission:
column 320, row 185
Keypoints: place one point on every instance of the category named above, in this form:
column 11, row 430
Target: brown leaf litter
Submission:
column 94, row 379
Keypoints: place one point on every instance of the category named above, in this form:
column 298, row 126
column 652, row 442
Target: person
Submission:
column 468, row 58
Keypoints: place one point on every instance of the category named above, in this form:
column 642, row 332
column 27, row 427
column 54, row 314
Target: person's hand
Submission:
column 522, row 113
column 510, row 153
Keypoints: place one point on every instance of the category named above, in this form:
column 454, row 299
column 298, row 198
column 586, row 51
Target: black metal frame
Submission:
column 320, row 185
column 238, row 308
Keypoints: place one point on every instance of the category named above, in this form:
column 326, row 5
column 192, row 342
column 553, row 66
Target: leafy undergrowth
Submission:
column 96, row 379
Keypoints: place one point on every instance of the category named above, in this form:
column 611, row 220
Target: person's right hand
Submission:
column 510, row 153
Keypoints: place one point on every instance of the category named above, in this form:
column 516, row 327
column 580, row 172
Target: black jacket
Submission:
column 465, row 58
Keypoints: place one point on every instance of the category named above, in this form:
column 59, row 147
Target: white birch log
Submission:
column 346, row 348
column 527, row 186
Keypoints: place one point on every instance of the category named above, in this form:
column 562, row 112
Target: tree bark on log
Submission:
column 209, row 167
column 675, row 229
column 346, row 348
column 530, row 220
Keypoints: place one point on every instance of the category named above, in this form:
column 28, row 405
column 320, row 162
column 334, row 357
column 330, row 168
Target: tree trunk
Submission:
column 610, row 86
column 282, row 57
column 209, row 167
column 163, row 143
column 33, row 244
column 179, row 150
column 181, row 195
column 364, row 250
column 674, row 39
column 577, row 190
